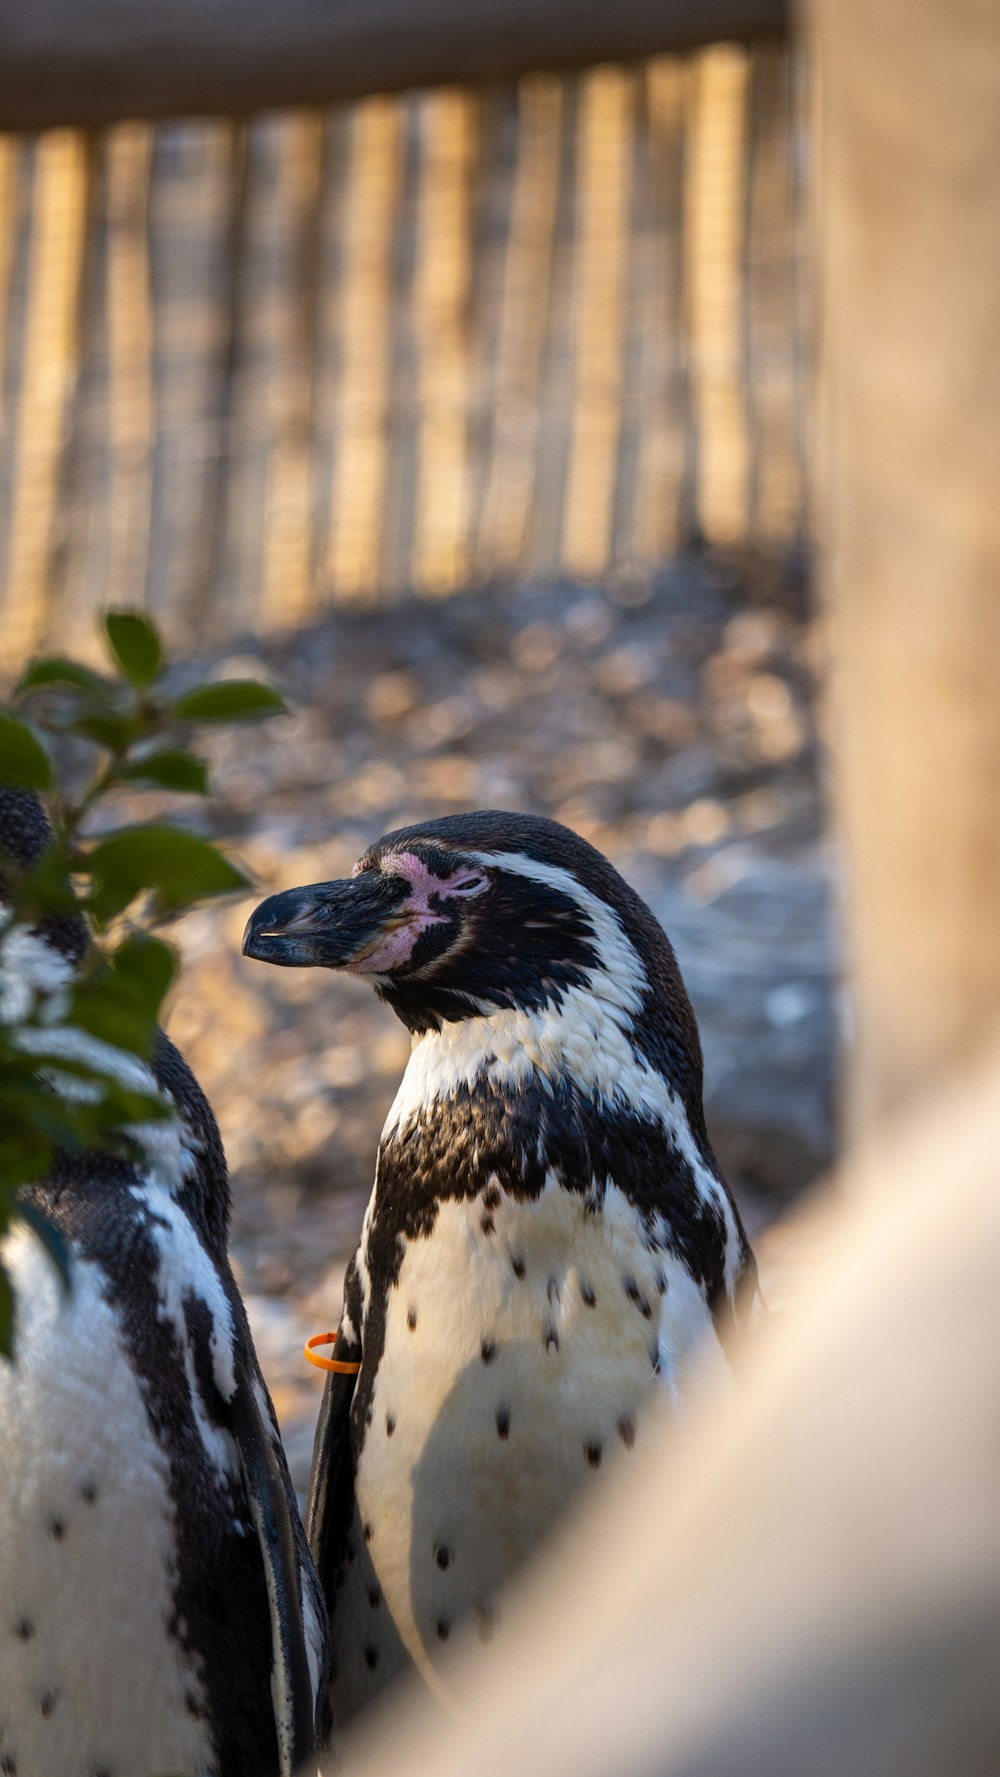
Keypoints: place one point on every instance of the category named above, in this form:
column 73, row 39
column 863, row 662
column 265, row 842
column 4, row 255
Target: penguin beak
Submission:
column 329, row 925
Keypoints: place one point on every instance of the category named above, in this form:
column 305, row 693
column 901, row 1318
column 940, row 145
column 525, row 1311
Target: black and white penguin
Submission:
column 549, row 1242
column 159, row 1610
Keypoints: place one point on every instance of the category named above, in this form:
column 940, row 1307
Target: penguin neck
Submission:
column 501, row 1108
column 496, row 1061
column 576, row 1056
column 515, row 1097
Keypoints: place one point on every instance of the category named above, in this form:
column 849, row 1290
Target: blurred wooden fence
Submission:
column 547, row 328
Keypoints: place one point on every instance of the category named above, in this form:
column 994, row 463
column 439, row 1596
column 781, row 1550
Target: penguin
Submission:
column 549, row 1246
column 159, row 1609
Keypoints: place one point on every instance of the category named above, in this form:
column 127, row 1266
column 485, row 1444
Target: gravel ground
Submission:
column 669, row 720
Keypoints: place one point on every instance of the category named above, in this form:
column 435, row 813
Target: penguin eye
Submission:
column 470, row 885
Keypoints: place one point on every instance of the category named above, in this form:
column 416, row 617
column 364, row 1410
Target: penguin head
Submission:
column 461, row 916
column 441, row 922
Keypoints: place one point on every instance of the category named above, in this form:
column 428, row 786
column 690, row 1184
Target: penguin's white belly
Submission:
column 520, row 1349
column 91, row 1681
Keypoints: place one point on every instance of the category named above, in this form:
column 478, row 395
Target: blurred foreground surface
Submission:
column 669, row 721
column 807, row 1584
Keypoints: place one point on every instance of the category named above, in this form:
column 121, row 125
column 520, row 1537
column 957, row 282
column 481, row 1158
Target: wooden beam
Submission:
column 86, row 62
column 910, row 243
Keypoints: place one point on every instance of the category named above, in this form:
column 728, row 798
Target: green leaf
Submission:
column 135, row 643
column 44, row 889
column 51, row 1237
column 230, row 700
column 123, row 1106
column 32, row 1112
column 148, row 966
column 178, row 867
column 55, row 670
column 105, row 1014
column 171, row 769
column 26, row 1160
column 90, row 1121
column 24, row 763
column 109, row 730
column 122, row 1005
column 6, row 1315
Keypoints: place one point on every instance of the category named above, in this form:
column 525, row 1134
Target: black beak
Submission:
column 324, row 926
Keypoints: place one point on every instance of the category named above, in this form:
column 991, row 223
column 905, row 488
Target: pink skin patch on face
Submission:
column 395, row 945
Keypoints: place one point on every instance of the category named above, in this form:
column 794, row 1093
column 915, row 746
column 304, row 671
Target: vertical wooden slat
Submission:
column 205, row 587
column 132, row 417
column 523, row 316
column 10, row 173
column 197, row 183
column 491, row 207
column 659, row 510
column 258, row 290
column 441, row 292
column 603, row 188
column 557, row 369
column 287, row 581
column 403, row 429
column 370, row 218
column 714, row 227
column 775, row 490
column 13, row 173
column 50, row 366
column 79, row 568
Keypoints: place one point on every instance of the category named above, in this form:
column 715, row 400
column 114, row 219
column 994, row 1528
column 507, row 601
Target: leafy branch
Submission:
column 76, row 1037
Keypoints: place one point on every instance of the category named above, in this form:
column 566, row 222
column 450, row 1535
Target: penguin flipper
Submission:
column 330, row 1503
column 293, row 1684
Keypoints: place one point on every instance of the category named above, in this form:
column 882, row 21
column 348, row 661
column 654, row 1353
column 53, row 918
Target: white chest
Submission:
column 90, row 1679
column 520, row 1348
